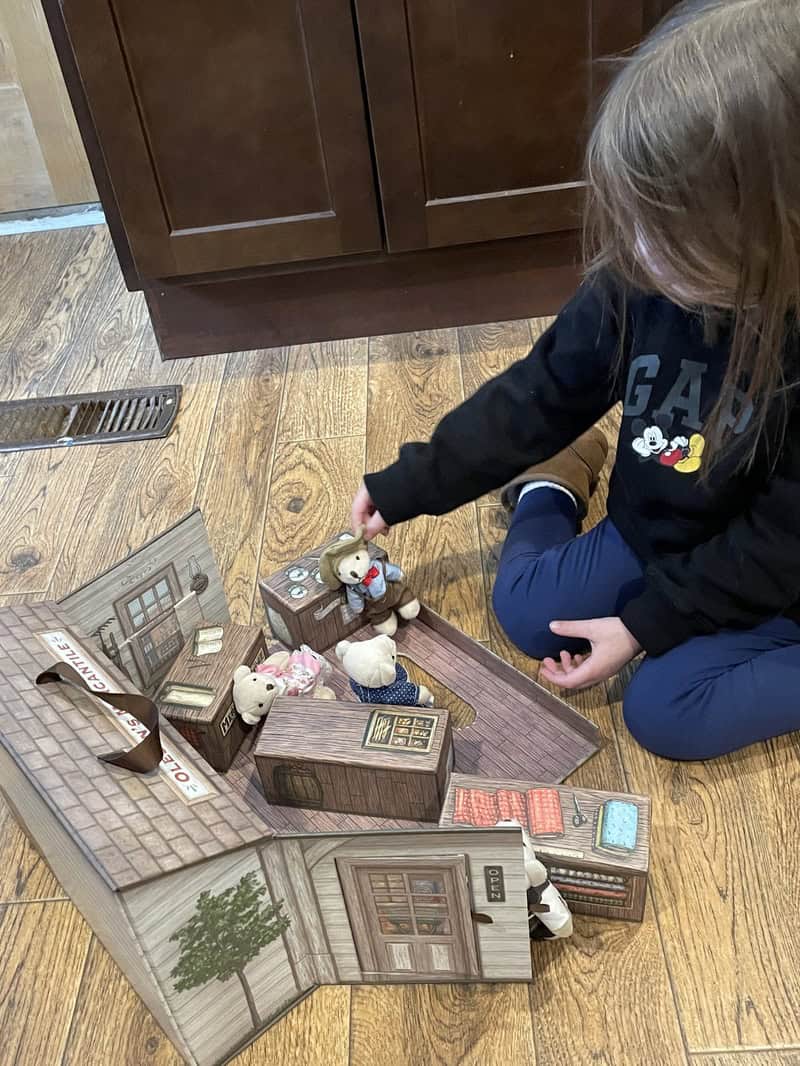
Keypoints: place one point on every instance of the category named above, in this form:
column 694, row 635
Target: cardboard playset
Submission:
column 378, row 800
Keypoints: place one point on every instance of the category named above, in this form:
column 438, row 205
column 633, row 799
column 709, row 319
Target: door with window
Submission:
column 411, row 919
column 147, row 616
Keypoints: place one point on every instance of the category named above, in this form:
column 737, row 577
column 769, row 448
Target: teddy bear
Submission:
column 301, row 672
column 549, row 916
column 253, row 694
column 373, row 587
column 284, row 673
column 376, row 677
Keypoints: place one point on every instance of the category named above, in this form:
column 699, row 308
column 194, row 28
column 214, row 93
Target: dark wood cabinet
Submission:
column 298, row 170
column 234, row 134
column 479, row 111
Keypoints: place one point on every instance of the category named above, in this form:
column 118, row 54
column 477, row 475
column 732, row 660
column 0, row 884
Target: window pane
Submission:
column 433, row 927
column 162, row 588
column 148, row 597
column 421, row 885
column 137, row 618
column 396, row 926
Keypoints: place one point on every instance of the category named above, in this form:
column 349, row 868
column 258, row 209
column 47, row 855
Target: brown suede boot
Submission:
column 576, row 468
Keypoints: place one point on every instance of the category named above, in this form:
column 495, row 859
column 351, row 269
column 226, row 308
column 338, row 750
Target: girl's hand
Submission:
column 365, row 514
column 612, row 646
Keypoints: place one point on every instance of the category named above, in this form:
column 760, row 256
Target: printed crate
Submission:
column 301, row 609
column 390, row 762
column 197, row 693
column 596, row 845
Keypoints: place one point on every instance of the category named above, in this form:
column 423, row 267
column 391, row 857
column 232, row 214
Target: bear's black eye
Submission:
column 270, row 688
column 261, row 705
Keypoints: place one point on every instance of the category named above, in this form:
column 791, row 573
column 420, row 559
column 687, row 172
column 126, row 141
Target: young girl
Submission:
column 689, row 317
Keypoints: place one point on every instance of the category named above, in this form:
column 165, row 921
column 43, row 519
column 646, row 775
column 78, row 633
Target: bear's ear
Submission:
column 638, row 426
column 341, row 648
column 662, row 420
column 386, row 641
column 241, row 672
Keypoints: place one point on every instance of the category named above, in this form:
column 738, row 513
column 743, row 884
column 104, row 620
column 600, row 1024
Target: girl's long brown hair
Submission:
column 693, row 171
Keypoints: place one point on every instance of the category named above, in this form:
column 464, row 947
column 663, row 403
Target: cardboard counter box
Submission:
column 300, row 607
column 197, row 694
column 596, row 845
column 355, row 758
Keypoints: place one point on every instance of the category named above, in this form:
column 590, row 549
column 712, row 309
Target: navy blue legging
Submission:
column 706, row 697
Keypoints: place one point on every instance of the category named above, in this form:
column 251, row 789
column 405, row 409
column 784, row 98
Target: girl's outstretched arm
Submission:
column 523, row 416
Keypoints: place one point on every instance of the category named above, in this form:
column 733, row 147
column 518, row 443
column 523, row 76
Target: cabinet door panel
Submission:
column 480, row 111
column 234, row 133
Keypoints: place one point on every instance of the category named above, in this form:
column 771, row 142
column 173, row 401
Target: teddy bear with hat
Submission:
column 375, row 588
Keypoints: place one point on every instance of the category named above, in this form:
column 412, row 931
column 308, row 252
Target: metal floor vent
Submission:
column 89, row 418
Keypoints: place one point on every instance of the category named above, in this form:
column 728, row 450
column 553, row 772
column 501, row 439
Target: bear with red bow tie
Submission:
column 375, row 588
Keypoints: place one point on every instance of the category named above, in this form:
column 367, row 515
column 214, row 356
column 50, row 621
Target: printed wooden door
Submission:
column 234, row 134
column 480, row 110
column 411, row 919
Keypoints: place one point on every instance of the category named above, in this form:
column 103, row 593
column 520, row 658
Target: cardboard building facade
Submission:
column 161, row 862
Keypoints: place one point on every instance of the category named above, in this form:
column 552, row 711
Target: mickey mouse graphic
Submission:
column 684, row 454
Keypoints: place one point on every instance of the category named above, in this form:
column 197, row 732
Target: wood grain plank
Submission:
column 44, row 951
column 488, row 350
column 30, row 265
column 49, row 334
column 110, row 1023
column 37, row 509
column 326, row 391
column 414, row 380
column 309, row 501
column 111, row 520
column 314, row 1033
column 24, row 875
column 440, row 1025
column 234, row 483
column 726, row 825
column 589, row 1002
column 748, row 1057
column 117, row 347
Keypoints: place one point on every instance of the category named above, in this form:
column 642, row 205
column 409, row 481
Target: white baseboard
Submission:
column 58, row 218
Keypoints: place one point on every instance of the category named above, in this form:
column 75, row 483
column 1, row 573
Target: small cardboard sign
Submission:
column 179, row 774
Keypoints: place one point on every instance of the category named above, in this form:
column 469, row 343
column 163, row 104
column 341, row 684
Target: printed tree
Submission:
column 225, row 933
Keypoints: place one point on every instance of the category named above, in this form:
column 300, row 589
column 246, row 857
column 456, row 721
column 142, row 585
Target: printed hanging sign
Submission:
column 184, row 780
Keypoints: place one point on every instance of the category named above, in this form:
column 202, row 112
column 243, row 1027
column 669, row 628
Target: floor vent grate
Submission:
column 89, row 418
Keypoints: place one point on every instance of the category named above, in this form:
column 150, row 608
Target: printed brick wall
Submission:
column 131, row 827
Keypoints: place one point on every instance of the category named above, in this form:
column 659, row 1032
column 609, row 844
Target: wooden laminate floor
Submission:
column 271, row 445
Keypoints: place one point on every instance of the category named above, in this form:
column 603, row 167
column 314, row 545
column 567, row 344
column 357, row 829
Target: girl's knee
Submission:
column 661, row 717
column 525, row 611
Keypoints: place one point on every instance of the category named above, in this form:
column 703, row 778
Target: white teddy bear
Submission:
column 375, row 676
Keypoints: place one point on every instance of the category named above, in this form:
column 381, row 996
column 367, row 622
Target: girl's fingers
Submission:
column 551, row 667
column 566, row 661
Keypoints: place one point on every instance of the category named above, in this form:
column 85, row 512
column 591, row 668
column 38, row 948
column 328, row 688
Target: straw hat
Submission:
column 333, row 553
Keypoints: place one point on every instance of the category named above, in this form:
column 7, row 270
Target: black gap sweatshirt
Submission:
column 718, row 553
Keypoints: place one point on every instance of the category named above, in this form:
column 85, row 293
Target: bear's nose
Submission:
column 353, row 573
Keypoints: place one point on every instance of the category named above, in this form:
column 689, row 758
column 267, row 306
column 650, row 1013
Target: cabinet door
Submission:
column 480, row 111
column 234, row 134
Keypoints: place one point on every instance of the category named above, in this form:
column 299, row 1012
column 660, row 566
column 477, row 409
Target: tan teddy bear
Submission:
column 376, row 677
column 375, row 588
